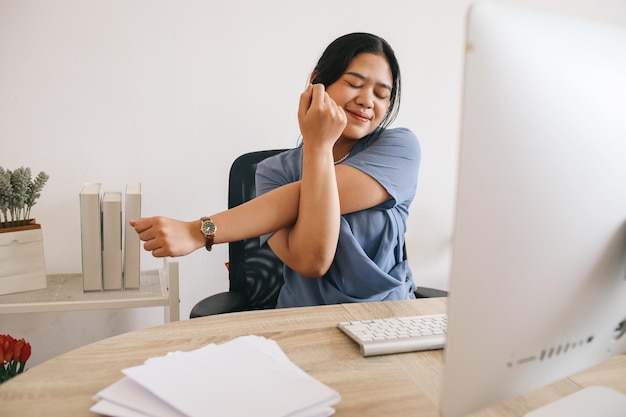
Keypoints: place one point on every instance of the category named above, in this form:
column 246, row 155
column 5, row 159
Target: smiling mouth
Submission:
column 359, row 117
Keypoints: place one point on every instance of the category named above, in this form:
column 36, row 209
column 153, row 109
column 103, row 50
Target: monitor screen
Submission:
column 538, row 276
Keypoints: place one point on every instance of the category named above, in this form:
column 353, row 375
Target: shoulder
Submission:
column 389, row 153
column 399, row 132
column 281, row 168
column 399, row 136
column 392, row 158
column 394, row 142
column 280, row 160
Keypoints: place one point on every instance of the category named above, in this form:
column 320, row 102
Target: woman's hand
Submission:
column 321, row 120
column 168, row 237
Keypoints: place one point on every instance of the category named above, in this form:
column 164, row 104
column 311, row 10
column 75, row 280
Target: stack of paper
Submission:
column 246, row 376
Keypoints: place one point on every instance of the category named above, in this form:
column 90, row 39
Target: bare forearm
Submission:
column 273, row 211
column 267, row 213
column 313, row 238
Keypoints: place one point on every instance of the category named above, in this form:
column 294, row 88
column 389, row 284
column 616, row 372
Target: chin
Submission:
column 356, row 134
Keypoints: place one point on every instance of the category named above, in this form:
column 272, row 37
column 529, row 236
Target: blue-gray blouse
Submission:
column 369, row 264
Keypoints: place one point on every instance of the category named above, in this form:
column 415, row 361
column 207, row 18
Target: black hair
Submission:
column 339, row 54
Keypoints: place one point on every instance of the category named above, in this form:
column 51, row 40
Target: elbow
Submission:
column 314, row 265
column 314, row 272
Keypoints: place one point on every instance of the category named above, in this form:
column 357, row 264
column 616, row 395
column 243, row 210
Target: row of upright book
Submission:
column 110, row 247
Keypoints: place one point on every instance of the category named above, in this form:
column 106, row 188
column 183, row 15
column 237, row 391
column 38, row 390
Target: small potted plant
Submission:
column 21, row 237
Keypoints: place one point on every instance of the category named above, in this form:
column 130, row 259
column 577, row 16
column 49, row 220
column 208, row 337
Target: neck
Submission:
column 343, row 158
column 342, row 149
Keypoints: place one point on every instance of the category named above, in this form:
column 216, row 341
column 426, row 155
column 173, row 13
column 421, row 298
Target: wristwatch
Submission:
column 208, row 228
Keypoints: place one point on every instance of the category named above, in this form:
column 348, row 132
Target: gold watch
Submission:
column 208, row 228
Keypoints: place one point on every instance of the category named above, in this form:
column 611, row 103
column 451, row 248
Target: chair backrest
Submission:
column 255, row 271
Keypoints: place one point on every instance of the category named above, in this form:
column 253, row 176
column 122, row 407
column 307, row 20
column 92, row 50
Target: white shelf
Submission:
column 65, row 293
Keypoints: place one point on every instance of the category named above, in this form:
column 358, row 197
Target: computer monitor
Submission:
column 538, row 274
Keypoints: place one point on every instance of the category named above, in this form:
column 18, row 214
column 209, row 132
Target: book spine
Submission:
column 132, row 211
column 91, row 237
column 112, row 240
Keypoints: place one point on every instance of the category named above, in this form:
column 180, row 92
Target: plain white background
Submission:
column 169, row 93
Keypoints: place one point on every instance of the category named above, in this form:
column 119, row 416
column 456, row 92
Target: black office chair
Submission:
column 256, row 274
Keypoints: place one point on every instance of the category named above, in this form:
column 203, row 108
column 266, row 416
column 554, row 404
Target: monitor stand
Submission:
column 591, row 401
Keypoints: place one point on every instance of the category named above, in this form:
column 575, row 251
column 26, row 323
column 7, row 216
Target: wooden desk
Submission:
column 395, row 385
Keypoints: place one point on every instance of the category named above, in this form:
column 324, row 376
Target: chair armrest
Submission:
column 225, row 302
column 425, row 292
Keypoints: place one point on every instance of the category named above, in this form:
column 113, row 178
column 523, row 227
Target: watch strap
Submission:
column 209, row 237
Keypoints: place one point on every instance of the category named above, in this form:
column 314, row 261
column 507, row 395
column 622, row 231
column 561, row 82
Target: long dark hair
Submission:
column 340, row 53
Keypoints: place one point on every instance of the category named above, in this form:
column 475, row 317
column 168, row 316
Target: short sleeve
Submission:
column 276, row 171
column 393, row 159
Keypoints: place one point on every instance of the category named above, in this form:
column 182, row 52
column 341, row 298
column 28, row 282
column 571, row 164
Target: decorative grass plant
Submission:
column 18, row 194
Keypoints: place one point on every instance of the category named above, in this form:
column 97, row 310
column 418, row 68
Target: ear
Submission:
column 313, row 76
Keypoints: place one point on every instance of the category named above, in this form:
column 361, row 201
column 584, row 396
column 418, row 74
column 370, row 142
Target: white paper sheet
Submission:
column 127, row 394
column 249, row 375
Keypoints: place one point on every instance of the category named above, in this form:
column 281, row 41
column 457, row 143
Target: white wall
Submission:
column 169, row 92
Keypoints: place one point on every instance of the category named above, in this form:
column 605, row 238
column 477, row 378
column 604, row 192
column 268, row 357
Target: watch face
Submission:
column 208, row 228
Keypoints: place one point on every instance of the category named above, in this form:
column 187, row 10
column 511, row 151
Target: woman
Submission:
column 333, row 209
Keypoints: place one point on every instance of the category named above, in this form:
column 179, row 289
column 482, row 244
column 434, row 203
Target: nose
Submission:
column 365, row 98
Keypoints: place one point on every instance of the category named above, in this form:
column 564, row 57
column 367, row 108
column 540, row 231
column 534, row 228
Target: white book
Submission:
column 91, row 236
column 112, row 240
column 132, row 211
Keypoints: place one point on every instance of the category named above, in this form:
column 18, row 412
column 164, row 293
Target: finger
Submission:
column 159, row 253
column 318, row 95
column 151, row 244
column 342, row 114
column 141, row 225
column 305, row 101
column 332, row 105
column 336, row 110
column 147, row 234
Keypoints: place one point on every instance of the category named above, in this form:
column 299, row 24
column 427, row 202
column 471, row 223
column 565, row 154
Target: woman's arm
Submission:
column 275, row 210
column 296, row 210
column 304, row 215
column 272, row 211
column 309, row 245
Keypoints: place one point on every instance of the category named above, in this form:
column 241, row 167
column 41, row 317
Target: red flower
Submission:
column 8, row 344
column 26, row 351
column 17, row 348
column 13, row 356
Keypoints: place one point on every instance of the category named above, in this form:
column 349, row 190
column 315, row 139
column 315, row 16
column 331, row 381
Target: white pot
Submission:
column 22, row 263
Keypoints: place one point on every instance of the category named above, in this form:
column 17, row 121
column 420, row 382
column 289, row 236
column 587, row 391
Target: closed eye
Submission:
column 353, row 85
column 380, row 95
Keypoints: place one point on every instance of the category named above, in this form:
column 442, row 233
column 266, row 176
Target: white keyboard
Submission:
column 398, row 334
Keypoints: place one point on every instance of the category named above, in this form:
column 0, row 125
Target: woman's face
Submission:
column 364, row 92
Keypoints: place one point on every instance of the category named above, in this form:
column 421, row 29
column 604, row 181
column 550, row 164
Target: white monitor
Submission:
column 538, row 277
